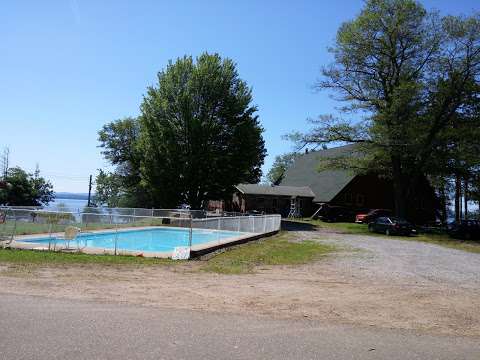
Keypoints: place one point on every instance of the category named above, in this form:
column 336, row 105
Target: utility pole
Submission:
column 4, row 163
column 89, row 191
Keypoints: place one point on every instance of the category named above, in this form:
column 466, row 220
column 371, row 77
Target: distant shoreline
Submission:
column 73, row 196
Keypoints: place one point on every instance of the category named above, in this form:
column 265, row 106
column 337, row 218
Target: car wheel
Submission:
column 387, row 232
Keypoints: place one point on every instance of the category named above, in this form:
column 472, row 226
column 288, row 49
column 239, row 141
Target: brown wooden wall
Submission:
column 268, row 204
column 366, row 192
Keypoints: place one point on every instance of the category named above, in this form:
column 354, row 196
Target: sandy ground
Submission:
column 373, row 281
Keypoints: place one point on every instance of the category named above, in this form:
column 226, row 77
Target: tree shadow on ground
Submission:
column 288, row 225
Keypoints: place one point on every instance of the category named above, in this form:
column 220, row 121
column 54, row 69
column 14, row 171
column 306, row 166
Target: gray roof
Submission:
column 325, row 184
column 293, row 191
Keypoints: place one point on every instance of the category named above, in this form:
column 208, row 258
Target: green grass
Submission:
column 348, row 228
column 447, row 241
column 33, row 257
column 277, row 250
column 362, row 229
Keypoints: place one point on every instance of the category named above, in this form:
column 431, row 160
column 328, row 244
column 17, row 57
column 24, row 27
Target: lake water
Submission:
column 71, row 205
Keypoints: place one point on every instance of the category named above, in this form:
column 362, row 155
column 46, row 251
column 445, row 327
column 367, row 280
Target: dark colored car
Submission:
column 391, row 225
column 336, row 214
column 365, row 218
column 465, row 229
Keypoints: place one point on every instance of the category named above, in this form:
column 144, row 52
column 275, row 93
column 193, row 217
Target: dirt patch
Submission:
column 357, row 287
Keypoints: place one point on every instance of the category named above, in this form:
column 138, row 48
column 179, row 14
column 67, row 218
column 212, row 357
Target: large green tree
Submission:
column 197, row 135
column 24, row 189
column 109, row 190
column 403, row 75
column 123, row 186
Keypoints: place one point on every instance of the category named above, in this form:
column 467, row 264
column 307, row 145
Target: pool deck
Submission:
column 23, row 242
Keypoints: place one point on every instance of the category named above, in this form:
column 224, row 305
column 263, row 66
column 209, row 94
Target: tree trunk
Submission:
column 196, row 198
column 443, row 203
column 399, row 189
column 465, row 200
column 458, row 194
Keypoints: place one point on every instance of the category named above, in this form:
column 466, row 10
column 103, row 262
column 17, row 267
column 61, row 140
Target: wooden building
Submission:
column 356, row 192
column 305, row 188
column 272, row 199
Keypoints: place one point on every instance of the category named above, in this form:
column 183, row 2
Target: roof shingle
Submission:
column 293, row 191
column 325, row 184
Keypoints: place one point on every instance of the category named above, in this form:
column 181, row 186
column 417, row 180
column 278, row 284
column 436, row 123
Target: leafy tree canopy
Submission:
column 280, row 165
column 24, row 189
column 405, row 75
column 197, row 135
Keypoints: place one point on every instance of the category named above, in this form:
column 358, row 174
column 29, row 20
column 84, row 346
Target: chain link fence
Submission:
column 114, row 231
column 250, row 224
column 196, row 214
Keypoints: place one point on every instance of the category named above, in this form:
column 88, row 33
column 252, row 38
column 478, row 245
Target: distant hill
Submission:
column 76, row 196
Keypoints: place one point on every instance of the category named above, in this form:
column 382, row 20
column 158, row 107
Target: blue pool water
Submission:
column 148, row 240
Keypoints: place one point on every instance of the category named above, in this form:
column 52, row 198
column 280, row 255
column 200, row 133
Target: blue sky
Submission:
column 69, row 66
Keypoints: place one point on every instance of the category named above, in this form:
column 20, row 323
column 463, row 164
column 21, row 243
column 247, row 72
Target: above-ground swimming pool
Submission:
column 141, row 240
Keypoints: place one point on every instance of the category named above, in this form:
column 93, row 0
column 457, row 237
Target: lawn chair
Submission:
column 71, row 234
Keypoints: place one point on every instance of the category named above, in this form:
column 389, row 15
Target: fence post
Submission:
column 238, row 218
column 14, row 228
column 116, row 236
column 264, row 224
column 50, row 234
column 57, row 220
column 86, row 220
column 190, row 233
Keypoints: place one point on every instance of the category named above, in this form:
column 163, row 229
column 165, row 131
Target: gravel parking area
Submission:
column 408, row 262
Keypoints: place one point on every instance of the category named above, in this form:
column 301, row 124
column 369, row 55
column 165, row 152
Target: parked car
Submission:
column 365, row 218
column 336, row 214
column 391, row 225
column 465, row 229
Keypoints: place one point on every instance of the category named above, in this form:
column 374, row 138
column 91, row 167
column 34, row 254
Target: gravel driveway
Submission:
column 407, row 261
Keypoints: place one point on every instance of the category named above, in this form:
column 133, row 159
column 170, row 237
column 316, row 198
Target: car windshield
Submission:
column 398, row 220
